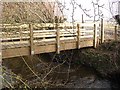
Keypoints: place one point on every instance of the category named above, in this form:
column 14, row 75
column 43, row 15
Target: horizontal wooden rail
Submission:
column 41, row 25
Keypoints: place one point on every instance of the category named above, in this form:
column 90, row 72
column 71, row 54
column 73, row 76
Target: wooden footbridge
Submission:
column 30, row 39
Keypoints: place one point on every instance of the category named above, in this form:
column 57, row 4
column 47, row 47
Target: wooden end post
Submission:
column 57, row 35
column 115, row 32
column 95, row 36
column 78, row 36
column 31, row 39
column 102, row 31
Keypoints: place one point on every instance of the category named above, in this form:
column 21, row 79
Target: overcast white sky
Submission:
column 87, row 4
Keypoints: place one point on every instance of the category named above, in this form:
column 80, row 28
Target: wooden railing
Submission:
column 113, row 33
column 33, row 35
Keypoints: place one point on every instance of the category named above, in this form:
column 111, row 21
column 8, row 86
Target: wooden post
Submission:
column 95, row 36
column 102, row 31
column 115, row 32
column 57, row 35
column 31, row 39
column 82, row 21
column 78, row 36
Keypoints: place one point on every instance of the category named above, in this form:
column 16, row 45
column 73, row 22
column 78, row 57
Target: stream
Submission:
column 53, row 74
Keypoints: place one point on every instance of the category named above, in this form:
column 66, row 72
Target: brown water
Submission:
column 53, row 73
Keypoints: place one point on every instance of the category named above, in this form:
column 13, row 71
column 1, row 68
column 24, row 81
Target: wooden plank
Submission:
column 95, row 36
column 7, row 45
column 14, row 38
column 15, row 52
column 11, row 26
column 45, row 25
column 78, row 36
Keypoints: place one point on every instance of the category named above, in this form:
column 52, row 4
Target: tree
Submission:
column 23, row 12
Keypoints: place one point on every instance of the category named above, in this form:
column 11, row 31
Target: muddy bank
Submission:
column 50, row 73
column 105, row 60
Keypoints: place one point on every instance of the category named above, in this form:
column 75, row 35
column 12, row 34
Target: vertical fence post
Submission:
column 115, row 32
column 57, row 35
column 102, row 31
column 95, row 36
column 78, row 36
column 31, row 39
column 82, row 21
